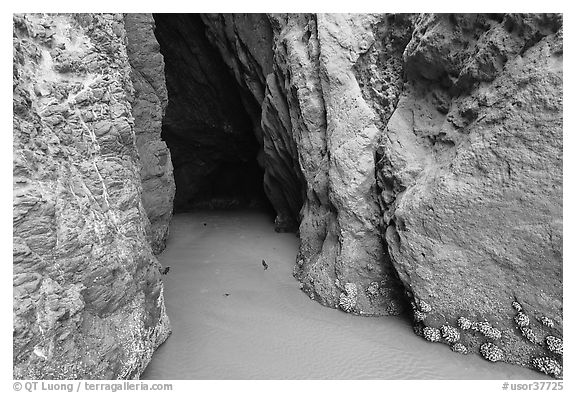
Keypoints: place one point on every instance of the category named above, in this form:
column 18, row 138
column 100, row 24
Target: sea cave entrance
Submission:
column 210, row 125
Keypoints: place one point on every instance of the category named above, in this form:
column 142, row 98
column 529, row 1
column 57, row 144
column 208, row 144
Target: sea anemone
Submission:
column 548, row 366
column 555, row 344
column 419, row 316
column 350, row 289
column 423, row 306
column 522, row 319
column 547, row 322
column 491, row 352
column 464, row 323
column 516, row 306
column 460, row 348
column 490, row 332
column 348, row 299
column 431, row 334
column 372, row 290
column 346, row 303
column 450, row 334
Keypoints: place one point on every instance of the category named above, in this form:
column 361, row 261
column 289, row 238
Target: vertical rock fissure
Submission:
column 207, row 125
column 148, row 103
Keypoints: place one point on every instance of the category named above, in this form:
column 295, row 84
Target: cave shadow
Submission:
column 210, row 125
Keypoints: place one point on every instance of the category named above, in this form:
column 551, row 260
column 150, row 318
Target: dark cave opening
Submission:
column 208, row 130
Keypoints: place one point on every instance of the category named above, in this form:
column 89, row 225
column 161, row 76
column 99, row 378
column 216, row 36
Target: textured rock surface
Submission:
column 420, row 156
column 317, row 129
column 441, row 132
column 87, row 291
column 470, row 173
column 148, row 105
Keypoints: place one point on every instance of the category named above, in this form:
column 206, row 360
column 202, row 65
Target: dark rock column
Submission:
column 246, row 44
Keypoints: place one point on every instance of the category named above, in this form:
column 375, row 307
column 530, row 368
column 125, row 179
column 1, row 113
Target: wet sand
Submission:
column 266, row 328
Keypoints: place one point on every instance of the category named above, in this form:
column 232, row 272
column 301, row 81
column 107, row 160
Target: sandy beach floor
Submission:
column 232, row 319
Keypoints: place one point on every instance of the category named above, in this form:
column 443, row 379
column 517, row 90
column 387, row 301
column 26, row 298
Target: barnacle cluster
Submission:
column 547, row 366
column 348, row 297
column 464, row 323
column 431, row 334
column 420, row 309
column 489, row 331
column 423, row 306
column 555, row 345
column 491, row 352
column 523, row 323
column 450, row 334
column 419, row 316
column 522, row 319
column 547, row 322
column 350, row 289
column 528, row 334
column 372, row 290
column 460, row 348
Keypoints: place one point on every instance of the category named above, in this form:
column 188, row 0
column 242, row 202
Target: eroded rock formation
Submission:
column 315, row 133
column 88, row 297
column 470, row 174
column 442, row 134
column 420, row 157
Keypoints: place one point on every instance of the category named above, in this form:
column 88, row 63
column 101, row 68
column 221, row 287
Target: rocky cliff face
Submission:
column 430, row 147
column 315, row 132
column 149, row 102
column 88, row 297
column 470, row 181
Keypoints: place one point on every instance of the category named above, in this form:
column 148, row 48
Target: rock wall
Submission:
column 317, row 132
column 88, row 298
column 430, row 148
column 148, row 106
column 470, row 179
